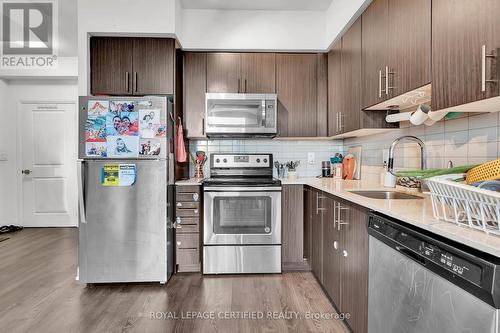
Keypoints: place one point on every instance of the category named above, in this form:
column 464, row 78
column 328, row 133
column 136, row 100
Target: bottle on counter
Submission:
column 337, row 166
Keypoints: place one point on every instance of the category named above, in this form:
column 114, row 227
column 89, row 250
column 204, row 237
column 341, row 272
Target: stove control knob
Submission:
column 258, row 160
column 224, row 160
column 217, row 160
column 265, row 160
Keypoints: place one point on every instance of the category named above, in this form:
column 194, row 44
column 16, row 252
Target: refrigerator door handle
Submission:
column 81, row 191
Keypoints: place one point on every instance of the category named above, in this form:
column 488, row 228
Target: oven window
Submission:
column 242, row 215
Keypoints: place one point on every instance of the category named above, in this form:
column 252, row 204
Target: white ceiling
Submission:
column 257, row 4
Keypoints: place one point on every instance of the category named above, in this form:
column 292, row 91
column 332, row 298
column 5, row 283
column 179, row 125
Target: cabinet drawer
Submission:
column 187, row 189
column 187, row 241
column 187, row 212
column 187, row 220
column 187, row 228
column 188, row 260
column 194, row 205
column 187, row 197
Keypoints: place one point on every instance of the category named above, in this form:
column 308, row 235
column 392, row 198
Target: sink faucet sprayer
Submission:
column 423, row 156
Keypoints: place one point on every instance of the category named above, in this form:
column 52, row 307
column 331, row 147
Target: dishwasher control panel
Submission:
column 425, row 249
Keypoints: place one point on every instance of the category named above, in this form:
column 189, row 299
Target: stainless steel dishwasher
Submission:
column 421, row 282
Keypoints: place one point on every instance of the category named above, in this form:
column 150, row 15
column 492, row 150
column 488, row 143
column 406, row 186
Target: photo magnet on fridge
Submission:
column 149, row 121
column 149, row 147
column 97, row 108
column 95, row 128
column 117, row 107
column 96, row 149
column 127, row 123
column 123, row 146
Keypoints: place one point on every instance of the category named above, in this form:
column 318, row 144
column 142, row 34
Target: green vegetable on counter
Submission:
column 428, row 173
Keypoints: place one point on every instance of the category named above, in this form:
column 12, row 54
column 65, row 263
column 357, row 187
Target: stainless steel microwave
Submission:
column 241, row 115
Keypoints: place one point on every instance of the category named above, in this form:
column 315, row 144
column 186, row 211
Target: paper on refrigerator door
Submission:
column 119, row 174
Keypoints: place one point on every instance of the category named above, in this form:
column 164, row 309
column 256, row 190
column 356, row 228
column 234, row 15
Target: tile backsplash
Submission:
column 282, row 150
column 469, row 139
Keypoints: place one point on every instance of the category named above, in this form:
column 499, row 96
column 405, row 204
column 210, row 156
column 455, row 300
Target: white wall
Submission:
column 11, row 94
column 253, row 30
column 121, row 18
column 339, row 16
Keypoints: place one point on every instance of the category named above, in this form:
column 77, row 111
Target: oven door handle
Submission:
column 241, row 189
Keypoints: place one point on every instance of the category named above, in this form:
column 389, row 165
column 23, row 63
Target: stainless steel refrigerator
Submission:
column 125, row 184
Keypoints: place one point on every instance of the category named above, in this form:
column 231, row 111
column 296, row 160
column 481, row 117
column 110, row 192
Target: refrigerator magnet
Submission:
column 118, row 174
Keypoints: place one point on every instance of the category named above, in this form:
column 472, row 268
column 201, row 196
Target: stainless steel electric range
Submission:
column 242, row 215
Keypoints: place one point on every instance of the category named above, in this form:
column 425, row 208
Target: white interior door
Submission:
column 48, row 139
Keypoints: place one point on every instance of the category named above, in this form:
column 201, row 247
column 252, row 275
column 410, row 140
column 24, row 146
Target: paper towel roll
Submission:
column 397, row 117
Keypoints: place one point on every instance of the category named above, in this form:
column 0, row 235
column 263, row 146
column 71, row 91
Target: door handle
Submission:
column 81, row 192
column 203, row 126
column 387, row 80
column 127, row 81
column 238, row 85
column 483, row 68
column 135, row 81
column 26, row 172
column 245, row 85
column 380, row 84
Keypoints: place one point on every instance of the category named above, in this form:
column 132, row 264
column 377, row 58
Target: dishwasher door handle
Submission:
column 411, row 254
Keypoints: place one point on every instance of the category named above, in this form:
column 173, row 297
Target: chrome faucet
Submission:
column 423, row 155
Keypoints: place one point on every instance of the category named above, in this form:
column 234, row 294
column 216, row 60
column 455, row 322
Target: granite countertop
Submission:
column 415, row 212
column 190, row 181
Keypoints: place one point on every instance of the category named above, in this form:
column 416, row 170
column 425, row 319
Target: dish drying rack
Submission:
column 465, row 204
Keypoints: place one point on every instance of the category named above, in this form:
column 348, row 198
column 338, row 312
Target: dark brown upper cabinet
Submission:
column 195, row 87
column 349, row 117
column 223, row 72
column 465, row 42
column 240, row 72
column 334, row 88
column 111, row 65
column 132, row 66
column 375, row 52
column 396, row 53
column 297, row 89
column 153, row 66
column 258, row 73
column 409, row 44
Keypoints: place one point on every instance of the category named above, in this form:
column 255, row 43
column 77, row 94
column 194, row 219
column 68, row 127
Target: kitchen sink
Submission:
column 386, row 195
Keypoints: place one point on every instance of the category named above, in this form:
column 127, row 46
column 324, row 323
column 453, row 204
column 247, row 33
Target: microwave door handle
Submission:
column 263, row 113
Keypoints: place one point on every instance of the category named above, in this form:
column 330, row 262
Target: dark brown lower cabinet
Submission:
column 354, row 264
column 331, row 253
column 317, row 234
column 293, row 240
column 339, row 255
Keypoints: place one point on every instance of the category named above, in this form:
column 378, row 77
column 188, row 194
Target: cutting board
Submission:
column 356, row 152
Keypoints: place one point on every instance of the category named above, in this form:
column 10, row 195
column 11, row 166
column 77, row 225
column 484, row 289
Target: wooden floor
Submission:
column 38, row 293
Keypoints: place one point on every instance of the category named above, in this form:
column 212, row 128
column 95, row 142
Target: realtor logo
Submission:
column 28, row 34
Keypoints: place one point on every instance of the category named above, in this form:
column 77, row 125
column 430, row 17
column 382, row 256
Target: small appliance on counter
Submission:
column 242, row 215
column 326, row 169
column 125, row 189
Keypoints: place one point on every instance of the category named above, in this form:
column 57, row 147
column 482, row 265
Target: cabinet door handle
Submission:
column 127, row 81
column 344, row 253
column 386, row 80
column 483, row 68
column 380, row 83
column 135, row 81
column 203, row 126
column 335, row 245
column 340, row 223
column 245, row 85
column 238, row 85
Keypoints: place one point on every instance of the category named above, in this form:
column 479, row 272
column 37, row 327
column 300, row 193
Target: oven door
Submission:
column 242, row 215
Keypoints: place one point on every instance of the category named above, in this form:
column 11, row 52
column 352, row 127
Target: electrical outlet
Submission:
column 3, row 156
column 311, row 158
